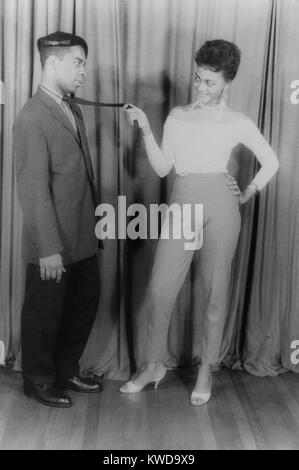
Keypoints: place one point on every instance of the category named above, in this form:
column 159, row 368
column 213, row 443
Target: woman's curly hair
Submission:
column 219, row 55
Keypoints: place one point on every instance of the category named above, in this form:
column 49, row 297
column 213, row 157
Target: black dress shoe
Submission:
column 47, row 394
column 92, row 379
column 80, row 384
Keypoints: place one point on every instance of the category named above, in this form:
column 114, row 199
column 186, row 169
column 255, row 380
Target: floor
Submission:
column 245, row 412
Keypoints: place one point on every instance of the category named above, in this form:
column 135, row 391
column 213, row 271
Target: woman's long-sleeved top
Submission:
column 196, row 147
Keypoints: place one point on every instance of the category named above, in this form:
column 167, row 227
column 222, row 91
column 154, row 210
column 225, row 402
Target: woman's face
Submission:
column 209, row 86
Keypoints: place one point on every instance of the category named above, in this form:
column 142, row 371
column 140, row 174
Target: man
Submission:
column 58, row 199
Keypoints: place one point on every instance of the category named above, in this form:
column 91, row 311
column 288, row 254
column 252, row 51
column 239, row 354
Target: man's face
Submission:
column 70, row 69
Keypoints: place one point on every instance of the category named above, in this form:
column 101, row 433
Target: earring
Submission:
column 224, row 94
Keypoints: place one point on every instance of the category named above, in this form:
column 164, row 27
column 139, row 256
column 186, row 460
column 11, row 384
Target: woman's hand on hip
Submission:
column 136, row 114
column 233, row 185
column 243, row 196
column 247, row 194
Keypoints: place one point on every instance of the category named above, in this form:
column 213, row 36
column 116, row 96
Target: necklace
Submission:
column 219, row 107
column 204, row 106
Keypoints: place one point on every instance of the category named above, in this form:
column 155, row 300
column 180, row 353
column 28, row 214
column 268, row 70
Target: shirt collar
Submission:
column 56, row 96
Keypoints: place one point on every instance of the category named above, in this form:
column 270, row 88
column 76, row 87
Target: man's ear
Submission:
column 52, row 62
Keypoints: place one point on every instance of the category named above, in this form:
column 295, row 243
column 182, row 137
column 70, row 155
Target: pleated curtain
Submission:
column 142, row 52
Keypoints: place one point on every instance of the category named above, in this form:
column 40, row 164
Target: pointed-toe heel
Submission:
column 198, row 398
column 132, row 387
column 157, row 381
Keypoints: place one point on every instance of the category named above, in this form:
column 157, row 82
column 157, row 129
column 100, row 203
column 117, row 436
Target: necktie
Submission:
column 95, row 103
column 100, row 104
column 66, row 108
column 69, row 99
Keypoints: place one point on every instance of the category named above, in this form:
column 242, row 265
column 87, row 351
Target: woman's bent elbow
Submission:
column 163, row 173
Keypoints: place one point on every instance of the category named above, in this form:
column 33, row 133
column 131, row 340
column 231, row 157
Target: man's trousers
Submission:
column 57, row 319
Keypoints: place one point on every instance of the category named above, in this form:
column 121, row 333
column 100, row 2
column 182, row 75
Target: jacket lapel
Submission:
column 80, row 137
column 85, row 149
column 83, row 140
column 57, row 112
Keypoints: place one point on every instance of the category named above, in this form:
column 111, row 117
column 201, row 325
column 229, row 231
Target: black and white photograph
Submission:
column 149, row 227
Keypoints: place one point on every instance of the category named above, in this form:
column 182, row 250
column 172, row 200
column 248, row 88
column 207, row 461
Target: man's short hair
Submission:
column 58, row 44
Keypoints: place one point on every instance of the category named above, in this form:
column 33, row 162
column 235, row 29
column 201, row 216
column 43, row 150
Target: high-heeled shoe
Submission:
column 200, row 398
column 132, row 387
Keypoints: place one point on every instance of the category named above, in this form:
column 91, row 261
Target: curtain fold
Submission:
column 272, row 321
column 142, row 51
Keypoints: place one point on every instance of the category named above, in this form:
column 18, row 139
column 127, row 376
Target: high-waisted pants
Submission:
column 221, row 227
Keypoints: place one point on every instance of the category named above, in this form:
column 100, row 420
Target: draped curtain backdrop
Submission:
column 142, row 51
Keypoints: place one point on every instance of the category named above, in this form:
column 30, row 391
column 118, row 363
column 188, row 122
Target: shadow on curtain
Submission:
column 142, row 51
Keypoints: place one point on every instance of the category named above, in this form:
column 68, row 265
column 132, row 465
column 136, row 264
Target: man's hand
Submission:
column 51, row 267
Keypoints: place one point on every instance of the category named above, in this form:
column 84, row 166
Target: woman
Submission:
column 197, row 141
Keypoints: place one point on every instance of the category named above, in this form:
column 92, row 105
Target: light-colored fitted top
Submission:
column 197, row 147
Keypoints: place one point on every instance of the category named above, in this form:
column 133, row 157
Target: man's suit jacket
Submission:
column 55, row 182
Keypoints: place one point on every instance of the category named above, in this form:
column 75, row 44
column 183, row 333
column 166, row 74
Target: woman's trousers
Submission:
column 221, row 227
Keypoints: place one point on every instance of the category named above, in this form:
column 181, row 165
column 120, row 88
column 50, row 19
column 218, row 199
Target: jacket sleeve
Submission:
column 33, row 183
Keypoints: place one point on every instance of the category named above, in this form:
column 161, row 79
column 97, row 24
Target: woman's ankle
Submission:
column 204, row 374
column 152, row 366
column 204, row 369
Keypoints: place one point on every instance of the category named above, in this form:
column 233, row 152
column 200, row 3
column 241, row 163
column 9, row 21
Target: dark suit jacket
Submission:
column 55, row 182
